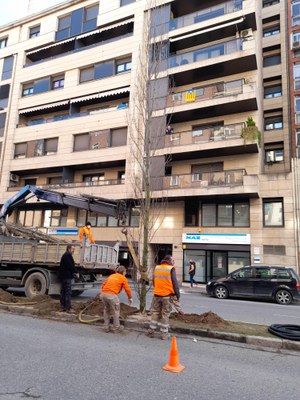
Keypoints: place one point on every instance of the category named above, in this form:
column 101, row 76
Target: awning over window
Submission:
column 127, row 21
column 50, row 46
column 43, row 107
column 102, row 94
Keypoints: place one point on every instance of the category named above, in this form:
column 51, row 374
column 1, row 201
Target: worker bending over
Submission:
column 165, row 286
column 86, row 232
column 111, row 287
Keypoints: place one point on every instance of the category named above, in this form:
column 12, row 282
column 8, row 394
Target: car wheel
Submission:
column 283, row 296
column 221, row 292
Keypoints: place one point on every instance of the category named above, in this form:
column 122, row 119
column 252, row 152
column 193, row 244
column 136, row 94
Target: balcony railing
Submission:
column 205, row 53
column 202, row 93
column 76, row 115
column 205, row 179
column 75, row 184
column 205, row 135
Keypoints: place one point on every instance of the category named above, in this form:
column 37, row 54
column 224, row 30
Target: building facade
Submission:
column 70, row 89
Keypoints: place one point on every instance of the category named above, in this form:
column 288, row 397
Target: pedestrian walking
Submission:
column 192, row 272
column 165, row 286
column 67, row 272
column 111, row 287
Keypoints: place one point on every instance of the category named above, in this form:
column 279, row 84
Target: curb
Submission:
column 142, row 325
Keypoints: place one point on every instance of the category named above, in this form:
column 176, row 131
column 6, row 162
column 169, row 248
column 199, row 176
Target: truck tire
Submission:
column 35, row 285
column 77, row 292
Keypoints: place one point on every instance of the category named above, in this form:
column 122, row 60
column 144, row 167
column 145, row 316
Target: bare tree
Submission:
column 147, row 134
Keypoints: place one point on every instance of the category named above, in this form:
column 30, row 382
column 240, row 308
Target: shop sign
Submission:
column 216, row 238
column 63, row 231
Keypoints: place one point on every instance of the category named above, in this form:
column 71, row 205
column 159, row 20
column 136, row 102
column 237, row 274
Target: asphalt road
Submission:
column 259, row 312
column 51, row 360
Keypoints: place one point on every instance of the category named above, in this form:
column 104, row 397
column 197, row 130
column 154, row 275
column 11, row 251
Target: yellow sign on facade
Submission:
column 190, row 95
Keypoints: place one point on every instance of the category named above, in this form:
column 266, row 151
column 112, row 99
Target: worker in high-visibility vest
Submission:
column 86, row 231
column 165, row 287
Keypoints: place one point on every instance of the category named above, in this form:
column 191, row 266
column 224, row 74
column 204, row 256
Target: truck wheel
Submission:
column 35, row 284
column 77, row 292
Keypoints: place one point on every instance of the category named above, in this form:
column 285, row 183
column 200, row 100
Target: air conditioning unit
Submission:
column 296, row 45
column 14, row 178
column 247, row 33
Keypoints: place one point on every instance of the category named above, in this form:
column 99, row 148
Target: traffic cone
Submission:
column 173, row 364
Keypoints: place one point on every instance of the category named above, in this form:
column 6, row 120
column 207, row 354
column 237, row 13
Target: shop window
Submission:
column 273, row 212
column 34, row 31
column 231, row 214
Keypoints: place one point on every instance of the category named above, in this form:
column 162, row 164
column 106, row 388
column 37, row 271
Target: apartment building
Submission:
column 69, row 89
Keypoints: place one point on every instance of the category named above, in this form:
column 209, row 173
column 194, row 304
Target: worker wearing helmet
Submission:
column 165, row 287
column 111, row 287
column 86, row 232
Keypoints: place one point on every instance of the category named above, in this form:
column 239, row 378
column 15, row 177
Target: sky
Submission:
column 12, row 10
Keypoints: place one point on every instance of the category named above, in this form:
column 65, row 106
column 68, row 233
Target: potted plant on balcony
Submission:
column 250, row 132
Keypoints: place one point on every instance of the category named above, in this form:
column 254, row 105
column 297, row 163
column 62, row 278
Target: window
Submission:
column 296, row 13
column 272, row 60
column 297, row 76
column 125, row 2
column 123, row 66
column 7, row 67
column 30, row 218
column 272, row 123
column 55, row 217
column 93, row 179
column 102, row 220
column 90, row 18
column 57, row 82
column 20, row 150
column 27, row 89
column 191, row 214
column 3, row 43
column 118, row 137
column 273, row 152
column 268, row 3
column 91, row 140
column 273, row 212
column 36, row 148
column 4, row 94
column 55, row 180
column 87, row 74
column 272, row 91
column 34, row 31
column 270, row 31
column 64, row 25
column 231, row 214
column 2, row 123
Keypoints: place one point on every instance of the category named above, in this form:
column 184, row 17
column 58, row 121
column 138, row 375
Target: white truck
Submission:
column 32, row 260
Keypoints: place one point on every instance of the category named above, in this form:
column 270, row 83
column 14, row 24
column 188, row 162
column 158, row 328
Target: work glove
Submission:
column 130, row 302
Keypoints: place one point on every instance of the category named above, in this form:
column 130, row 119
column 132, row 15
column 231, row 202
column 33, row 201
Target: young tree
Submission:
column 147, row 127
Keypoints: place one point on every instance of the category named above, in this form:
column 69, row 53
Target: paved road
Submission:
column 51, row 360
column 230, row 309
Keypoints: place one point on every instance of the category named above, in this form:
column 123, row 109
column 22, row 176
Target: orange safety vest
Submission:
column 163, row 285
column 85, row 231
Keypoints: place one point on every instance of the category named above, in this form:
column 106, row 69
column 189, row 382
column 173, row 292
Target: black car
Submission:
column 281, row 284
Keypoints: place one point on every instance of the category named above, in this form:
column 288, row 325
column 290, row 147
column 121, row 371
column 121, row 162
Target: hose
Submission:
column 88, row 321
column 22, row 303
column 291, row 332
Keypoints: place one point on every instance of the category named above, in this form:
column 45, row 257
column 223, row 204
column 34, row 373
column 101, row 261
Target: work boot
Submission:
column 71, row 311
column 165, row 336
column 150, row 333
column 119, row 329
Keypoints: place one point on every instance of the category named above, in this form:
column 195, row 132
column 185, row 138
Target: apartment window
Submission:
column 296, row 13
column 272, row 60
column 272, row 123
column 7, row 67
column 55, row 180
column 3, row 43
column 20, row 150
column 273, row 212
column 34, row 31
column 272, row 91
column 230, row 214
column 93, row 178
column 50, row 146
column 91, row 140
column 57, row 83
column 297, row 76
column 274, row 152
column 64, row 25
column 125, row 2
column 36, row 148
column 121, row 175
column 4, row 94
column 118, row 137
column 30, row 181
column 268, row 3
column 134, row 217
column 123, row 66
column 27, row 89
column 298, row 142
column 272, row 30
column 90, row 18
column 2, row 123
column 191, row 213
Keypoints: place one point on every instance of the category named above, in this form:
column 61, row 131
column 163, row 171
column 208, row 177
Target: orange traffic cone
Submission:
column 173, row 364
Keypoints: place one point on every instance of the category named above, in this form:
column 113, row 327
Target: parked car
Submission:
column 281, row 284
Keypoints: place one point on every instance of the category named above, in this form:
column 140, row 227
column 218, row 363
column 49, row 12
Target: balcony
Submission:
column 231, row 182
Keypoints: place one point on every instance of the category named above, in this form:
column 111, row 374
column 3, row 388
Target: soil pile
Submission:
column 208, row 318
column 7, row 297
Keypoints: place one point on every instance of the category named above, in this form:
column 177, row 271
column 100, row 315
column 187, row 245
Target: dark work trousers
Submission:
column 65, row 294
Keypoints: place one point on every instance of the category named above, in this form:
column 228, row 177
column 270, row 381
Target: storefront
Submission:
column 215, row 254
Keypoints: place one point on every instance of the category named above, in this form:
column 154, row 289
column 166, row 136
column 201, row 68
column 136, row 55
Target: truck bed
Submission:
column 49, row 254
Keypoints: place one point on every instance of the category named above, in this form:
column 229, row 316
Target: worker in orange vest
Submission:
column 165, row 288
column 111, row 287
column 86, row 231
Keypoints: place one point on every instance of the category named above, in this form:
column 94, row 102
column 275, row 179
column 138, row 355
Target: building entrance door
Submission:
column 219, row 264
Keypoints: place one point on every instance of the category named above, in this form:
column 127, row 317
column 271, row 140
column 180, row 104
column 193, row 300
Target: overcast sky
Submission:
column 12, row 10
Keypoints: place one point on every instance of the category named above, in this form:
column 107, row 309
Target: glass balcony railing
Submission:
column 205, row 53
column 205, row 179
column 76, row 115
column 204, row 135
column 206, row 14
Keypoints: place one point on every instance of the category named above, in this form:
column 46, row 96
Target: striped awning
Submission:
column 101, row 94
column 43, row 107
column 50, row 46
column 127, row 21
